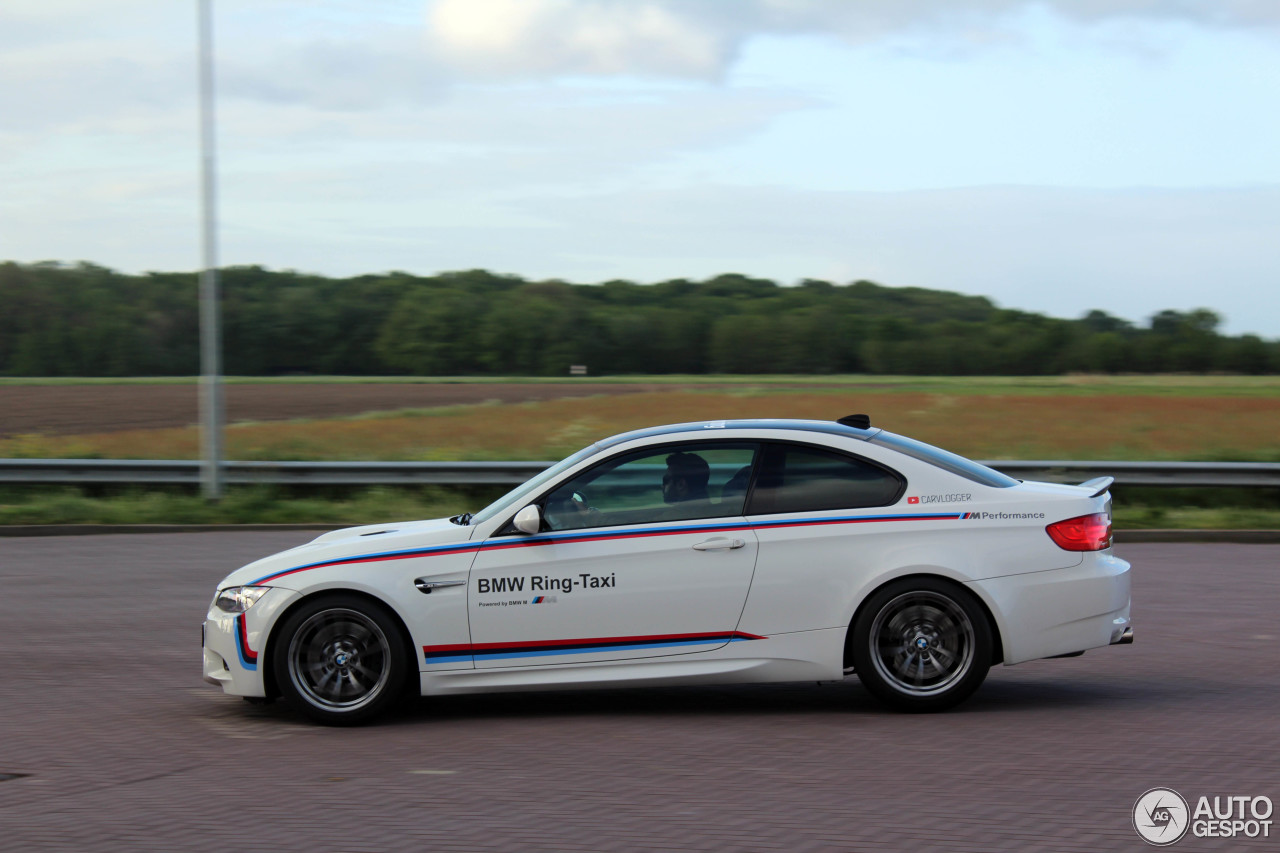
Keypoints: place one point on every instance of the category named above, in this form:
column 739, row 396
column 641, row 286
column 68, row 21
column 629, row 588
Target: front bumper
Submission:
column 234, row 644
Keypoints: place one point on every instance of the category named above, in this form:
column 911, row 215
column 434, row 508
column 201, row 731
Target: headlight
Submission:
column 238, row 599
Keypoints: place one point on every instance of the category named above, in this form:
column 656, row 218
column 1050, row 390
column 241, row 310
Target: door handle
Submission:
column 426, row 586
column 719, row 544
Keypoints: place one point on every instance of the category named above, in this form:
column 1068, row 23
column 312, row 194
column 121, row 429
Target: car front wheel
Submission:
column 340, row 660
column 921, row 645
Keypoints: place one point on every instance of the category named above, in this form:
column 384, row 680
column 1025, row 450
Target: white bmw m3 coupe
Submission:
column 729, row 551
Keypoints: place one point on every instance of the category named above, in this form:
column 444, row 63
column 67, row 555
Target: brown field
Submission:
column 77, row 409
column 549, row 421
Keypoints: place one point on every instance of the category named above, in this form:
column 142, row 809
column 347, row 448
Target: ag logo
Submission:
column 1161, row 816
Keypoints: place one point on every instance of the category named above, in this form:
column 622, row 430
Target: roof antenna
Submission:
column 856, row 421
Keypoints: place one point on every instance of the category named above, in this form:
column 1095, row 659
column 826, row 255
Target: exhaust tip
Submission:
column 1125, row 638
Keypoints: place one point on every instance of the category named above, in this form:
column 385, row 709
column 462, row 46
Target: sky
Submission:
column 1057, row 157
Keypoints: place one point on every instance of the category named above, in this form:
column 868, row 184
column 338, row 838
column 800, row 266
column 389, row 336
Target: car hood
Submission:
column 396, row 528
column 352, row 542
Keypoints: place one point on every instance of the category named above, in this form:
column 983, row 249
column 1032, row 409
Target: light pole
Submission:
column 210, row 334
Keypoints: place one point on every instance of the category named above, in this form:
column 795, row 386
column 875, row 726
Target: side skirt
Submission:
column 800, row 656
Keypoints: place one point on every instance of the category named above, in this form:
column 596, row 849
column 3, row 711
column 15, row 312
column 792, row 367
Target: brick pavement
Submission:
column 125, row 748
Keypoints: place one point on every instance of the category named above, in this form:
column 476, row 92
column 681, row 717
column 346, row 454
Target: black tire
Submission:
column 921, row 644
column 340, row 659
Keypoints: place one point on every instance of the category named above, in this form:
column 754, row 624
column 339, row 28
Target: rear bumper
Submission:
column 1043, row 614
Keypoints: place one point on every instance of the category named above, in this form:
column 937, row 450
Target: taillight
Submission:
column 1084, row 533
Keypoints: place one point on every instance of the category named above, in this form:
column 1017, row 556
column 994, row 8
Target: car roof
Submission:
column 935, row 456
column 709, row 427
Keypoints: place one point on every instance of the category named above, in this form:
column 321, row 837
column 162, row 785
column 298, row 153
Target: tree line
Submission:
column 86, row 320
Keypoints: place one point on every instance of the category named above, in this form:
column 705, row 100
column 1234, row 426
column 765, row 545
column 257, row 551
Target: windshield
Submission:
column 524, row 490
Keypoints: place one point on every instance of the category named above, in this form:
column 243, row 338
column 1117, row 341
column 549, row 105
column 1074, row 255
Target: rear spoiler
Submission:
column 1098, row 484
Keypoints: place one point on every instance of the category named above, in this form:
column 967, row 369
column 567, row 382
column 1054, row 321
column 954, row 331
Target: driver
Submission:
column 684, row 486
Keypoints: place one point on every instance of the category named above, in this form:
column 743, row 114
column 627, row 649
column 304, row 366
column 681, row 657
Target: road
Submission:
column 121, row 746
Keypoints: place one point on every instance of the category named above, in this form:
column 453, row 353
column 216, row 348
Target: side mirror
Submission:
column 528, row 520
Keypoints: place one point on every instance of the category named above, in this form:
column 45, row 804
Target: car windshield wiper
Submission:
column 463, row 519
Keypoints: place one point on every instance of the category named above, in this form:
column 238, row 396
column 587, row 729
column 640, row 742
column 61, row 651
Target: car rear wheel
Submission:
column 921, row 644
column 341, row 659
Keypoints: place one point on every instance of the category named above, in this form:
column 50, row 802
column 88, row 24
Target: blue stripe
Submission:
column 695, row 528
column 595, row 535
column 430, row 551
column 800, row 522
column 584, row 650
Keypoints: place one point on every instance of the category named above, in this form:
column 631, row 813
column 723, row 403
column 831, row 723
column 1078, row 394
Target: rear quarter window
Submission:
column 801, row 478
column 945, row 459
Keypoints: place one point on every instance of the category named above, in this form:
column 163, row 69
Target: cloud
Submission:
column 333, row 74
column 1061, row 252
column 79, row 67
column 555, row 36
column 496, row 141
column 345, row 145
column 701, row 38
column 76, row 88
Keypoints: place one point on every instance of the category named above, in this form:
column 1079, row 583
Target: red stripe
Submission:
column 408, row 556
column 604, row 537
column 457, row 549
column 460, row 647
column 591, row 641
column 249, row 654
column 775, row 526
column 601, row 537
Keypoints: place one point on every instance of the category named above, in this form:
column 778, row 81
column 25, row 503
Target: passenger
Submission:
column 733, row 494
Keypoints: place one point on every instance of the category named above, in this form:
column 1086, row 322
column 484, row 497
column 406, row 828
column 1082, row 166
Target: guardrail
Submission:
column 187, row 472
column 1170, row 474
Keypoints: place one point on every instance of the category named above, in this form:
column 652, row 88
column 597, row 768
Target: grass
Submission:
column 1099, row 427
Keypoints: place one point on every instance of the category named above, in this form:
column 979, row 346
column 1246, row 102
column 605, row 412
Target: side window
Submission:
column 669, row 483
column 798, row 478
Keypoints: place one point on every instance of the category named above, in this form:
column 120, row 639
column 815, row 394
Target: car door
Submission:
column 624, row 567
column 824, row 521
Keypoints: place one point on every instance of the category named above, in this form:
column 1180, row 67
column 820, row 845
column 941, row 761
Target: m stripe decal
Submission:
column 248, row 657
column 541, row 648
column 633, row 533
